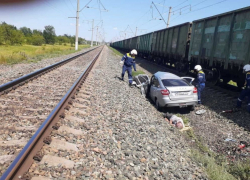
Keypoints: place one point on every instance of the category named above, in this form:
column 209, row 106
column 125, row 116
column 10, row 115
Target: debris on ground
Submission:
column 201, row 111
column 231, row 110
column 142, row 81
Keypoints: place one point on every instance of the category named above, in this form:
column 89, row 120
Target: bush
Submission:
column 37, row 40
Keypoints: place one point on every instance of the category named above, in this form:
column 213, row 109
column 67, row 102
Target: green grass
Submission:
column 240, row 169
column 116, row 52
column 213, row 170
column 29, row 53
column 216, row 165
column 135, row 73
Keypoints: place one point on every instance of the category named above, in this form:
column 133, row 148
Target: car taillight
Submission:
column 195, row 90
column 165, row 92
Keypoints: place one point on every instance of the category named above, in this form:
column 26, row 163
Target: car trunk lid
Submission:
column 181, row 92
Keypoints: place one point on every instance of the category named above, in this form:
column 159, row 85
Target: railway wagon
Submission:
column 170, row 45
column 145, row 45
column 117, row 44
column 221, row 44
column 134, row 43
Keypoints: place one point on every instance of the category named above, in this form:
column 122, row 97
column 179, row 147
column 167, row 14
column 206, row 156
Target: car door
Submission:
column 188, row 79
column 154, row 87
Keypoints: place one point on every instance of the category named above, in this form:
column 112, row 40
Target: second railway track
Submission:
column 24, row 108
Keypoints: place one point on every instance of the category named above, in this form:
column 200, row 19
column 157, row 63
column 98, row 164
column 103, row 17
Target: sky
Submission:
column 115, row 19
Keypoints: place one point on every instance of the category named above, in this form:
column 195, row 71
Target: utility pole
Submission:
column 92, row 32
column 77, row 22
column 135, row 31
column 160, row 13
column 125, row 35
column 96, row 35
column 169, row 14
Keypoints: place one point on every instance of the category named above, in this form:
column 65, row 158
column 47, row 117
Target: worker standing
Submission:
column 200, row 81
column 129, row 60
column 245, row 92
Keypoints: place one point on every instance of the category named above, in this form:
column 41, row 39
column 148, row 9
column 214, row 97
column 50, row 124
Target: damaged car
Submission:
column 169, row 90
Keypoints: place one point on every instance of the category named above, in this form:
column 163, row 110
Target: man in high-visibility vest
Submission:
column 129, row 60
column 245, row 92
column 200, row 81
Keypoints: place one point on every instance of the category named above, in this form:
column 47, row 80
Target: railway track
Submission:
column 27, row 115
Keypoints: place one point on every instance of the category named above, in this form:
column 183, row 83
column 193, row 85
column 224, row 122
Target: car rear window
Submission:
column 175, row 82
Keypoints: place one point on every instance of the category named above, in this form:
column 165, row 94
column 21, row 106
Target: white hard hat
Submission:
column 246, row 68
column 133, row 52
column 197, row 67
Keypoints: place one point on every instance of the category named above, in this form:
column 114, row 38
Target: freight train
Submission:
column 220, row 44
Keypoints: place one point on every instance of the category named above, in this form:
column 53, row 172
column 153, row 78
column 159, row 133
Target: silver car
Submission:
column 169, row 90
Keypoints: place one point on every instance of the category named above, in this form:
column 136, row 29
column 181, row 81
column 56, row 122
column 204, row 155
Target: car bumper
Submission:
column 166, row 102
column 181, row 104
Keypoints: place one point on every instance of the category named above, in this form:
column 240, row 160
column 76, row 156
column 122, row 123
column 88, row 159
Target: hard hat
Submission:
column 197, row 67
column 133, row 52
column 246, row 68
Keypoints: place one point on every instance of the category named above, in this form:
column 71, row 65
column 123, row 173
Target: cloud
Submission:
column 115, row 28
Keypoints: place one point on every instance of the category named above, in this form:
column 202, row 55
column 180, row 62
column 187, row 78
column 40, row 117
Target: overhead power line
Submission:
column 206, row 7
column 180, row 4
column 201, row 8
column 160, row 14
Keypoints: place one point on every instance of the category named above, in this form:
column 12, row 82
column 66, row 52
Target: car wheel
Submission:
column 191, row 108
column 157, row 105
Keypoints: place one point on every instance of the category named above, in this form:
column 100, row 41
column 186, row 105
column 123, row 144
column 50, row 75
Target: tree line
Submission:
column 10, row 35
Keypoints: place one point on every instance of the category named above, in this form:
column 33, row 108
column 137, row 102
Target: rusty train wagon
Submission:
column 221, row 45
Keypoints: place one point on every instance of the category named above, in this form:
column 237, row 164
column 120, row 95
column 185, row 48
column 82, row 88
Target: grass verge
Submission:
column 135, row 73
column 115, row 51
column 217, row 165
column 29, row 53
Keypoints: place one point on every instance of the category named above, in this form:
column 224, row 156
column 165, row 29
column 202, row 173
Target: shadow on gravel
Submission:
column 172, row 110
column 242, row 117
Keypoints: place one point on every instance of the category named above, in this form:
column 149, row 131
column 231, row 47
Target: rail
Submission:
column 24, row 78
column 23, row 161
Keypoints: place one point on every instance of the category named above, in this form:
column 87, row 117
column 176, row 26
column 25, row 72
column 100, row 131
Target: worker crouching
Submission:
column 129, row 61
column 246, row 91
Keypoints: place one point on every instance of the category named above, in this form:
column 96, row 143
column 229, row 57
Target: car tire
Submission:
column 157, row 105
column 191, row 108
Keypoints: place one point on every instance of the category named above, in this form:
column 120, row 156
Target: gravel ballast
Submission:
column 127, row 137
column 136, row 140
